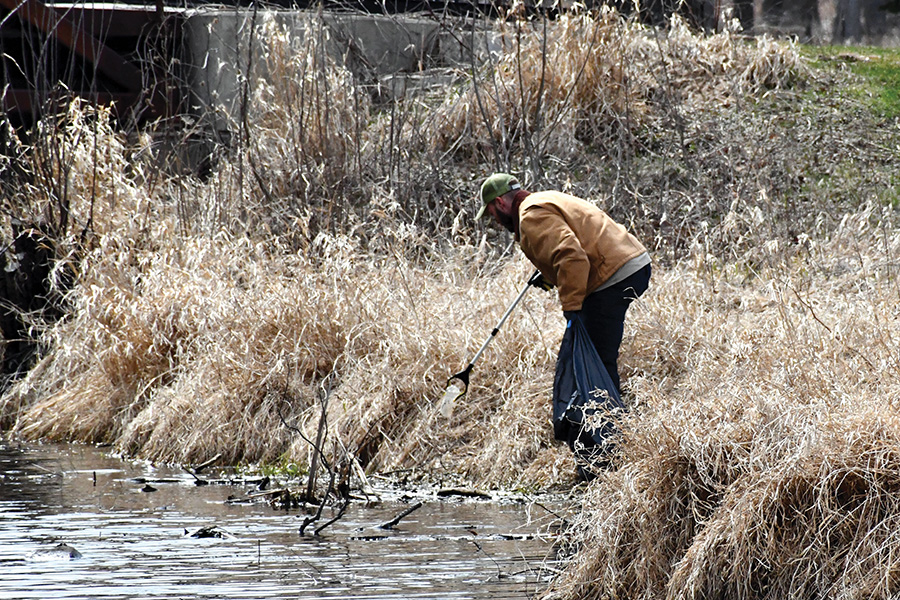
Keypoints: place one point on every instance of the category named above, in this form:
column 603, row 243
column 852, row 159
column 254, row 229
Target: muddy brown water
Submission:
column 133, row 543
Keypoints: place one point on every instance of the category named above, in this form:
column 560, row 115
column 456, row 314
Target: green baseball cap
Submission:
column 495, row 186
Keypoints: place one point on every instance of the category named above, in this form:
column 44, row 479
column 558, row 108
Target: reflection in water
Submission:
column 139, row 544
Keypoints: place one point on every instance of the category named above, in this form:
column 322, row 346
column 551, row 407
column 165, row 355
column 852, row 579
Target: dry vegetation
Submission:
column 318, row 266
column 761, row 460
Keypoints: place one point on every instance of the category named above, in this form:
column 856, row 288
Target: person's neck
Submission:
column 517, row 201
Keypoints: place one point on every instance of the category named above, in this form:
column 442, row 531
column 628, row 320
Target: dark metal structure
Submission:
column 111, row 54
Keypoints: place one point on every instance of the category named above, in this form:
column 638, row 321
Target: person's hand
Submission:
column 538, row 281
column 570, row 314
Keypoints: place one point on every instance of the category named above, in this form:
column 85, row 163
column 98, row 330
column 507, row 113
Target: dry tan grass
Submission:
column 597, row 75
column 202, row 348
column 306, row 117
column 213, row 316
column 761, row 458
column 81, row 159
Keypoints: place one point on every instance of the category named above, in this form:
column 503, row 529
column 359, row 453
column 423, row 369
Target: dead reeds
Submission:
column 328, row 265
column 216, row 345
column 595, row 80
column 758, row 462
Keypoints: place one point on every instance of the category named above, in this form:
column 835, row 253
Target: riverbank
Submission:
column 305, row 302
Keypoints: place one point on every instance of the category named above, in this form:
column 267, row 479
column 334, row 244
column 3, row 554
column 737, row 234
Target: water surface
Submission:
column 135, row 543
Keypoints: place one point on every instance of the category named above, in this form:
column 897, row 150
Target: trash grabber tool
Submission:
column 453, row 391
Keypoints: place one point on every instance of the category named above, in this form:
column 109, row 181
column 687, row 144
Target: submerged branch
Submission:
column 390, row 524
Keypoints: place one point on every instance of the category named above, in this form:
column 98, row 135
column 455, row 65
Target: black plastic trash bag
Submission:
column 586, row 404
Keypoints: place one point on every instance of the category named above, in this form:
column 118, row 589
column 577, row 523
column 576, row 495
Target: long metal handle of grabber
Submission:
column 500, row 323
column 464, row 374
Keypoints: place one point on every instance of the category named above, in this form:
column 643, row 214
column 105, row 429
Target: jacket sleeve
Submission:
column 549, row 242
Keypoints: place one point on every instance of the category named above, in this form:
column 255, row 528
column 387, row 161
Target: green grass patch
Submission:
column 877, row 68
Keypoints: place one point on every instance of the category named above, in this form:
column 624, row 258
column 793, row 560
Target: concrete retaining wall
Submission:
column 401, row 52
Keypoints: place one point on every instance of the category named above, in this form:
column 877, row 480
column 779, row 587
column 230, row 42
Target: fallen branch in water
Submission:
column 500, row 574
column 193, row 472
column 268, row 494
column 208, row 463
column 318, row 455
column 390, row 524
column 197, row 479
column 465, row 493
column 340, row 514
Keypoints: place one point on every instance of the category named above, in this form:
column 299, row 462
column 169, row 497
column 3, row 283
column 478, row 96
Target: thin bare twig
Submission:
column 390, row 524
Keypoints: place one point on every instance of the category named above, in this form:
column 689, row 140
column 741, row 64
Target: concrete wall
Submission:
column 400, row 52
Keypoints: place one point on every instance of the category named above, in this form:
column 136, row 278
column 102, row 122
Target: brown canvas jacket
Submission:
column 574, row 244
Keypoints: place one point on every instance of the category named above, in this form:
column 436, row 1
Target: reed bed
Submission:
column 760, row 460
column 326, row 277
column 214, row 346
column 589, row 79
column 202, row 324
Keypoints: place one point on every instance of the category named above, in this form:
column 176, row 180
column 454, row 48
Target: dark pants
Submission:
column 603, row 314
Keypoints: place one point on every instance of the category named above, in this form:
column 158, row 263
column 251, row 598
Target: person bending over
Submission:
column 598, row 267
